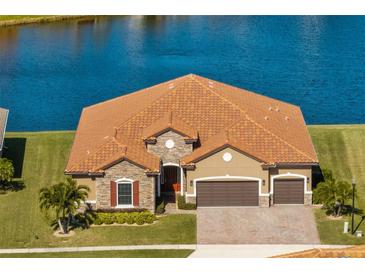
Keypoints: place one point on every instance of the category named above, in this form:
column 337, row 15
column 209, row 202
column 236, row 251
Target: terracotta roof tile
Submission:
column 267, row 129
column 169, row 121
column 350, row 252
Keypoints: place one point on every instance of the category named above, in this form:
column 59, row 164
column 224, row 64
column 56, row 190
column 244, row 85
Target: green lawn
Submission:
column 18, row 17
column 23, row 225
column 41, row 157
column 166, row 253
column 341, row 149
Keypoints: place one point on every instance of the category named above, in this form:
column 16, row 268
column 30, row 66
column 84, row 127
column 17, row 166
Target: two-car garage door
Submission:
column 227, row 193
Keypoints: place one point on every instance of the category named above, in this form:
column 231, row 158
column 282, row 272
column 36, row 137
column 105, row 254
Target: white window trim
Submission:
column 181, row 177
column 289, row 175
column 234, row 178
column 124, row 181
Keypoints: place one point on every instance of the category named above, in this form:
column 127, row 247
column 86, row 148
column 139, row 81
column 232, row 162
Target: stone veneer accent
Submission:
column 174, row 154
column 128, row 170
column 264, row 201
column 307, row 199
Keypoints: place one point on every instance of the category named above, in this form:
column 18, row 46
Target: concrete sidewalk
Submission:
column 201, row 251
column 251, row 251
column 95, row 248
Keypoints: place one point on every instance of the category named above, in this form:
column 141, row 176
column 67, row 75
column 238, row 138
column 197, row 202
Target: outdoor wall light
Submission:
column 191, row 183
column 263, row 182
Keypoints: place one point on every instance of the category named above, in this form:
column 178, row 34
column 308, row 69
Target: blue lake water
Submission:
column 49, row 72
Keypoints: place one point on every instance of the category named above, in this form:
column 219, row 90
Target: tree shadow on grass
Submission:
column 14, row 151
column 15, row 185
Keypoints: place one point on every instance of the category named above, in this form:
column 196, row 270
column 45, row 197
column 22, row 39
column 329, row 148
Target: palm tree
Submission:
column 64, row 198
column 332, row 194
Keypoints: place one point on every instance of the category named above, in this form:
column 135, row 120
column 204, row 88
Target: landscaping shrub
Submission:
column 139, row 218
column 333, row 194
column 116, row 210
column 181, row 204
column 98, row 220
column 130, row 218
column 107, row 218
column 160, row 209
column 120, row 217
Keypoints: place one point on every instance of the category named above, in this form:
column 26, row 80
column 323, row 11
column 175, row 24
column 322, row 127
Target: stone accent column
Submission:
column 307, row 199
column 271, row 200
column 264, row 201
column 102, row 193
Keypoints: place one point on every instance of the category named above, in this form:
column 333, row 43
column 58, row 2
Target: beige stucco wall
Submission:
column 240, row 165
column 91, row 184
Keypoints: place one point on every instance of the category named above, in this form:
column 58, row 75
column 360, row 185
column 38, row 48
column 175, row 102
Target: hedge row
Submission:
column 138, row 218
column 115, row 210
column 181, row 204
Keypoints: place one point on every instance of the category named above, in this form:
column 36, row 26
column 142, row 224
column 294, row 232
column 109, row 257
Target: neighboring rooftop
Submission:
column 349, row 252
column 218, row 114
column 3, row 120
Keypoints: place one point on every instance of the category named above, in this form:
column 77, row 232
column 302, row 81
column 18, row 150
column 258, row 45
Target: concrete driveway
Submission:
column 274, row 225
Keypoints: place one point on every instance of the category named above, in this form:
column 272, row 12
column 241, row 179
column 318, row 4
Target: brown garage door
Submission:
column 227, row 193
column 289, row 191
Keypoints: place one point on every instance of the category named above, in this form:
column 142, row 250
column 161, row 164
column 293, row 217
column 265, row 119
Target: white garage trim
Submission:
column 235, row 178
column 289, row 175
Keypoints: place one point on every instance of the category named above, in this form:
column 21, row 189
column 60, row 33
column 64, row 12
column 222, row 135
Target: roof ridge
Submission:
column 132, row 93
column 157, row 99
column 249, row 118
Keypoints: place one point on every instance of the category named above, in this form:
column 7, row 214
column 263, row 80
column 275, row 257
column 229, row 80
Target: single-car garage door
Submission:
column 227, row 193
column 289, row 191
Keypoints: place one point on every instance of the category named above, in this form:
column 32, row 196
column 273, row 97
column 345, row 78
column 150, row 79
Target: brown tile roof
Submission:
column 222, row 115
column 3, row 119
column 350, row 252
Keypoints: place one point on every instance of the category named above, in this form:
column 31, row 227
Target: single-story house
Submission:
column 215, row 144
column 3, row 120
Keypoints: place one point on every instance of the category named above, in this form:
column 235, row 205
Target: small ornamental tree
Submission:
column 332, row 194
column 63, row 199
column 6, row 170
